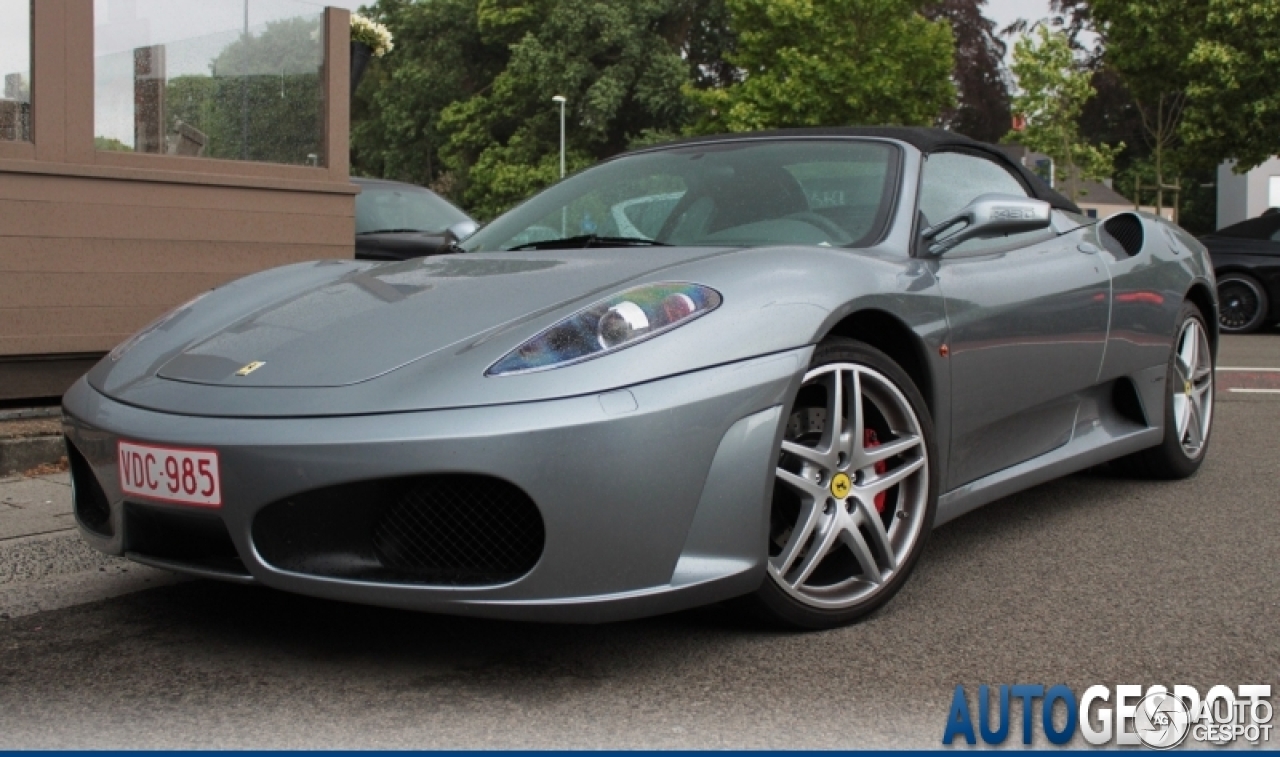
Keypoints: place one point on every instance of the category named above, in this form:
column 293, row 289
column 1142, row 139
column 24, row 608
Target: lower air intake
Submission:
column 89, row 500
column 460, row 530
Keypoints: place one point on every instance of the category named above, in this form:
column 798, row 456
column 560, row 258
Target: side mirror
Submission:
column 990, row 215
column 462, row 229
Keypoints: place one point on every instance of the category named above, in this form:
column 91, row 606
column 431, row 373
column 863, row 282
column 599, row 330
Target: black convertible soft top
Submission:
column 924, row 139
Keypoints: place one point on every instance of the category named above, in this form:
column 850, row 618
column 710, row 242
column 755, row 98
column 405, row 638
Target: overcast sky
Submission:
column 1005, row 12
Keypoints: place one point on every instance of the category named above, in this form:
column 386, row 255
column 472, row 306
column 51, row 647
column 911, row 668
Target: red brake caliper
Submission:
column 870, row 441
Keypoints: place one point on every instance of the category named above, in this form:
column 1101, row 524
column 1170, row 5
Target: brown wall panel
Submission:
column 74, row 321
column 21, row 218
column 337, row 73
column 77, row 84
column 44, row 188
column 17, row 151
column 37, row 376
column 49, row 79
column 43, row 290
column 30, row 254
column 43, row 344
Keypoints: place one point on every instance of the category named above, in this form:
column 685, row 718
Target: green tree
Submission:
column 619, row 64
column 1054, row 90
column 1147, row 43
column 831, row 63
column 1233, row 89
column 982, row 92
column 110, row 144
column 440, row 58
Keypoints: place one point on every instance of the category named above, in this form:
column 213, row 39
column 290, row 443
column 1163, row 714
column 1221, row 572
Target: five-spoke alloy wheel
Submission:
column 1193, row 396
column 1188, row 411
column 854, row 495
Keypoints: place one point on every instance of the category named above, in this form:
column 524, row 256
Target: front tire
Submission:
column 1242, row 305
column 1188, row 406
column 855, row 490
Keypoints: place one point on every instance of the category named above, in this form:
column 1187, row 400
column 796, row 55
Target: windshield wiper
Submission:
column 588, row 240
column 394, row 231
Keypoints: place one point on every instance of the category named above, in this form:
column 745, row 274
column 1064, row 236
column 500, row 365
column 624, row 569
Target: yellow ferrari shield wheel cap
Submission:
column 841, row 486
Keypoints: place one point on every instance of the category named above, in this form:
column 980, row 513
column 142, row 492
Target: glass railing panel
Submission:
column 15, row 70
column 225, row 79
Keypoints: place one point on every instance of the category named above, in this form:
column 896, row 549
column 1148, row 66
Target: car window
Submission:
column 952, row 180
column 734, row 193
column 394, row 207
column 845, row 192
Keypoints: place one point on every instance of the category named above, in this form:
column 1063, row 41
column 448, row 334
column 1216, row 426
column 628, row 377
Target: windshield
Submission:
column 1265, row 227
column 741, row 193
column 398, row 207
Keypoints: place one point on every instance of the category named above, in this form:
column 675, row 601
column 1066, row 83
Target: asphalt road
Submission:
column 1092, row 579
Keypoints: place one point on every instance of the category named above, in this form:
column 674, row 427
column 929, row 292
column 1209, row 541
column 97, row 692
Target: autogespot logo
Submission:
column 1162, row 720
column 1158, row 718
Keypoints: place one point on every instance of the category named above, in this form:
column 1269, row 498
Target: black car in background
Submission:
column 397, row 221
column 1246, row 259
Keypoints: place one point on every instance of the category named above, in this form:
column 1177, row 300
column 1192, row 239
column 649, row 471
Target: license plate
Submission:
column 170, row 474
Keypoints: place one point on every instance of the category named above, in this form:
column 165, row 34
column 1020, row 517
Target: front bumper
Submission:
column 653, row 498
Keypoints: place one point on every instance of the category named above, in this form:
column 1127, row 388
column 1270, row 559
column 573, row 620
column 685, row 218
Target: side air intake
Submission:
column 1122, row 235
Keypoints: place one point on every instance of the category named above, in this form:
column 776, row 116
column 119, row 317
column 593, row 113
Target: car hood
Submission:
column 367, row 323
column 350, row 338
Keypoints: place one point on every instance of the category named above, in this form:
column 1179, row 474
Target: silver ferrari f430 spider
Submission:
column 759, row 366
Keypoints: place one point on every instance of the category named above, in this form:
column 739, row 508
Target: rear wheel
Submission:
column 1188, row 407
column 855, row 490
column 1242, row 303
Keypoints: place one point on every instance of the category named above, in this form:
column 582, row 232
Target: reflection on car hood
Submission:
column 373, row 321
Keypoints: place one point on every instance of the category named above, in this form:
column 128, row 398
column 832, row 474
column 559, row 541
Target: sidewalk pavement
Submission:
column 29, row 438
column 31, row 506
column 44, row 564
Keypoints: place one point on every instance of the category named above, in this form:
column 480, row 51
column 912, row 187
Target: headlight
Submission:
column 129, row 343
column 611, row 324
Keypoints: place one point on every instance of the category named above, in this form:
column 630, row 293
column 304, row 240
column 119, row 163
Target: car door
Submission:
column 1028, row 319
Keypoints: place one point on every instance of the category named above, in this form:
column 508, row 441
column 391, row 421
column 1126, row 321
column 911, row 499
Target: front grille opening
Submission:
column 92, row 508
column 461, row 530
column 444, row 530
column 191, row 538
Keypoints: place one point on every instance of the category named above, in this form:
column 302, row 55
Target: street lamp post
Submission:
column 564, row 216
column 561, row 100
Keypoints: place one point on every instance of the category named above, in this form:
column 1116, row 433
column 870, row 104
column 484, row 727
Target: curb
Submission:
column 18, row 455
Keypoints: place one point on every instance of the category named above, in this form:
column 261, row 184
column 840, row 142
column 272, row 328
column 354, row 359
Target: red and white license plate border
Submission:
column 214, row 500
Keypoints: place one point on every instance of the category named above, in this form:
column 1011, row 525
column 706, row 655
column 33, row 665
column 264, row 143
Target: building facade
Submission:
column 154, row 149
column 1247, row 195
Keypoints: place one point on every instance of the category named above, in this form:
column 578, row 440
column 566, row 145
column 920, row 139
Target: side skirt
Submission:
column 1102, row 432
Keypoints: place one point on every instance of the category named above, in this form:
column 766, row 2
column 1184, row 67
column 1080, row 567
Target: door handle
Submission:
column 1087, row 248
